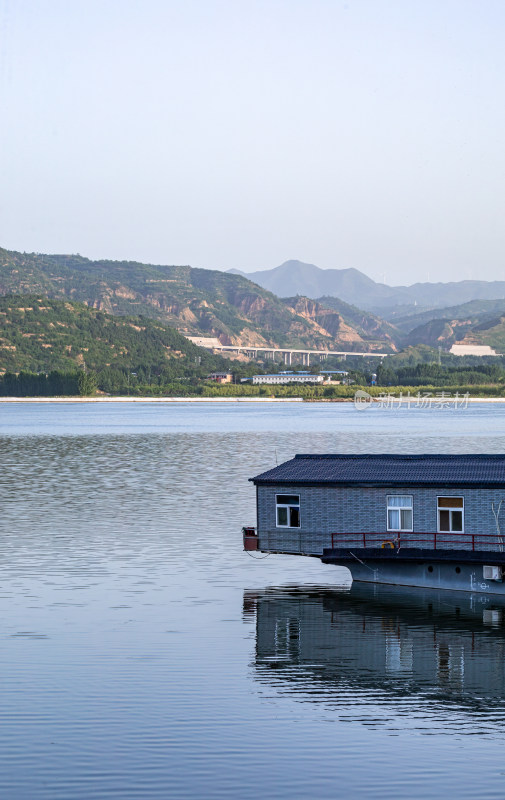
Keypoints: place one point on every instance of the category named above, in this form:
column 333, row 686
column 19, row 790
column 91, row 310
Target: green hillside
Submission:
column 466, row 311
column 195, row 301
column 38, row 334
column 438, row 332
column 480, row 329
column 489, row 331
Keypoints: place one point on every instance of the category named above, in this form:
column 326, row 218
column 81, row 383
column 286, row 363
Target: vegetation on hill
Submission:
column 488, row 331
column 195, row 301
column 438, row 333
column 40, row 334
column 472, row 310
column 481, row 329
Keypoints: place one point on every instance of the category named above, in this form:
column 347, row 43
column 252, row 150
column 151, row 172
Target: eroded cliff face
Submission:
column 247, row 338
column 249, row 305
column 328, row 323
column 124, row 293
column 256, row 321
column 373, row 327
column 102, row 303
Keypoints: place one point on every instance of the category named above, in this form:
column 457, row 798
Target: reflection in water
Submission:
column 434, row 661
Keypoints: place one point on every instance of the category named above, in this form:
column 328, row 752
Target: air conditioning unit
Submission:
column 492, row 573
column 492, row 616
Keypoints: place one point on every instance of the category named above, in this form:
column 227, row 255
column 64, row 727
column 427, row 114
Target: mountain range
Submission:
column 195, row 301
column 356, row 288
column 316, row 309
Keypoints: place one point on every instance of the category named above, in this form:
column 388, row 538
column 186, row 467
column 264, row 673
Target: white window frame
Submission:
column 287, row 506
column 400, row 509
column 446, row 508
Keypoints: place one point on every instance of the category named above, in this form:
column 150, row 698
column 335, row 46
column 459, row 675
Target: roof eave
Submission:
column 382, row 484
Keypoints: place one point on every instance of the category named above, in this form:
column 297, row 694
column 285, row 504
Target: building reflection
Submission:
column 409, row 652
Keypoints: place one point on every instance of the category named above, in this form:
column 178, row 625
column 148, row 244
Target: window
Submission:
column 288, row 510
column 400, row 515
column 450, row 514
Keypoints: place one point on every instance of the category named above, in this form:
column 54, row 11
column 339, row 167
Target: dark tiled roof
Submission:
column 389, row 470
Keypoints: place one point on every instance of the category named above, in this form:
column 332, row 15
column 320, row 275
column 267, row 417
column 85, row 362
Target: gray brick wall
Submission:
column 325, row 510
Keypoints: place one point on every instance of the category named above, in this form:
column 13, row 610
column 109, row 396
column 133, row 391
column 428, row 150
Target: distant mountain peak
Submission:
column 294, row 262
column 295, row 277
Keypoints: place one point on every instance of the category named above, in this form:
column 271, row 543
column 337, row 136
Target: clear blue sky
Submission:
column 241, row 133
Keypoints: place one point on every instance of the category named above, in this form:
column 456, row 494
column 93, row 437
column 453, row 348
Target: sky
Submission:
column 243, row 133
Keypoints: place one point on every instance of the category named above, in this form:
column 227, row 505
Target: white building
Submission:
column 288, row 377
column 472, row 350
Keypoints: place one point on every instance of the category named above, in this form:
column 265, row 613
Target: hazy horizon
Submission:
column 249, row 273
column 222, row 135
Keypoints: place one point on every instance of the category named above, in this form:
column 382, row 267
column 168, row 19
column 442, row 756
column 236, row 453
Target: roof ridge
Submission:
column 402, row 456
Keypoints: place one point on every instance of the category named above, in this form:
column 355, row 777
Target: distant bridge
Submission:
column 288, row 353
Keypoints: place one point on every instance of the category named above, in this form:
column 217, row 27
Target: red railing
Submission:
column 431, row 541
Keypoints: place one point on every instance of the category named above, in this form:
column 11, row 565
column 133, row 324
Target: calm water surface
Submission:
column 144, row 655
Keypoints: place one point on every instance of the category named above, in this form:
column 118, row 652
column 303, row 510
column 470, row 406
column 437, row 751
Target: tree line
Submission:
column 439, row 375
column 52, row 384
column 145, row 381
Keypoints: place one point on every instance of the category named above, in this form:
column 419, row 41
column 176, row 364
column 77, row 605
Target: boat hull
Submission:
column 463, row 571
column 469, row 578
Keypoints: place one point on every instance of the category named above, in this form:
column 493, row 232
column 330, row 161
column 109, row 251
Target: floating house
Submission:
column 414, row 520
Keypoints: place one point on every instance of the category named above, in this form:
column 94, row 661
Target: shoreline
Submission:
column 151, row 399
column 126, row 399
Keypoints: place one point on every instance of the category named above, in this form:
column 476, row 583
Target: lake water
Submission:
column 145, row 655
